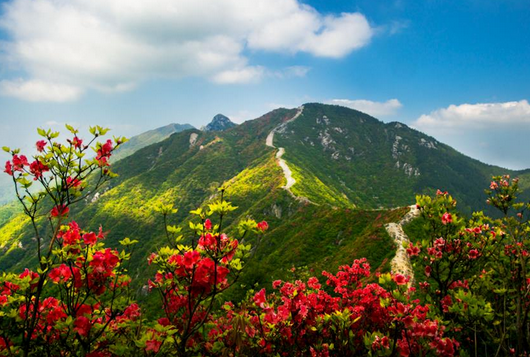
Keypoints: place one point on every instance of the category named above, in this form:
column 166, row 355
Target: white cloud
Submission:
column 304, row 30
column 475, row 116
column 39, row 91
column 376, row 109
column 243, row 75
column 114, row 45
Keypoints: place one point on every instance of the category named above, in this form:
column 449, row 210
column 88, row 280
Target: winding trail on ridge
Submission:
column 400, row 264
column 281, row 162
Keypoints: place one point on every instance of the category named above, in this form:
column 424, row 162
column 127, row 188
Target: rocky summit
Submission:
column 219, row 123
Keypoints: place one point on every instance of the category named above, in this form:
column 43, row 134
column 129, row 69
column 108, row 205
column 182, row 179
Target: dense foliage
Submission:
column 475, row 271
column 469, row 296
column 189, row 176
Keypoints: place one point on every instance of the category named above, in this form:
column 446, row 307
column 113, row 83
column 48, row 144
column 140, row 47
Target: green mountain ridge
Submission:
column 343, row 160
column 350, row 158
column 148, row 138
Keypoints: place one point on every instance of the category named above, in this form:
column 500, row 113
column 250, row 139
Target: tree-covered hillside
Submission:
column 349, row 158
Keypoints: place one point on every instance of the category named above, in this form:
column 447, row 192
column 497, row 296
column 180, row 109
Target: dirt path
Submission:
column 281, row 162
column 401, row 262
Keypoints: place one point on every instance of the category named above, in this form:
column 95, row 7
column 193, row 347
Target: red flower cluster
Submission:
column 17, row 164
column 263, row 226
column 301, row 319
column 41, row 144
column 447, row 218
column 59, row 211
column 103, row 154
column 37, row 168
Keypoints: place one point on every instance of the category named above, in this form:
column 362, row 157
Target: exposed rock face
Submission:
column 219, row 123
column 193, row 139
column 427, row 144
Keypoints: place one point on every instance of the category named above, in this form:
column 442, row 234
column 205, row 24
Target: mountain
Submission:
column 219, row 123
column 349, row 158
column 326, row 178
column 149, row 137
column 6, row 189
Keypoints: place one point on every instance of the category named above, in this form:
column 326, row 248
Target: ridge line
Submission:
column 287, row 173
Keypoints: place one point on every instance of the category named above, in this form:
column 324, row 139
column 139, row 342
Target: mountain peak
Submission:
column 219, row 123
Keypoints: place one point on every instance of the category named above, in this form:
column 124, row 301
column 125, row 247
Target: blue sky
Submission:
column 457, row 70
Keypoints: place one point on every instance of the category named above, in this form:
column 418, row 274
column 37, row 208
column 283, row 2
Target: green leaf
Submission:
column 71, row 129
column 127, row 241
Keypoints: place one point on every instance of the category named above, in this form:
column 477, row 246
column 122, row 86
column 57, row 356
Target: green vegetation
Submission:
column 148, row 138
column 188, row 174
column 364, row 162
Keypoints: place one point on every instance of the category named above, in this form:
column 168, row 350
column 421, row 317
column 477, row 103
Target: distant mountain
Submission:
column 149, row 137
column 325, row 178
column 6, row 188
column 219, row 123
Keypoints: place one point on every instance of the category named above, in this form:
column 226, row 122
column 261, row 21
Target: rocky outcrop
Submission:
column 219, row 123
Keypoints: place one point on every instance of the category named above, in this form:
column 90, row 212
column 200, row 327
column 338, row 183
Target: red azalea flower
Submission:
column 164, row 321
column 72, row 235
column 90, row 238
column 190, row 258
column 103, row 154
column 428, row 270
column 82, row 325
column 72, row 182
column 33, row 276
column 104, row 261
column 76, row 142
column 447, row 218
column 208, row 225
column 473, row 254
column 313, row 283
column 260, row 298
column 61, row 273
column 413, row 251
column 19, row 162
column 40, row 145
column 263, row 226
column 152, row 257
column 9, row 168
column 153, row 345
column 399, row 279
column 37, row 168
column 59, row 211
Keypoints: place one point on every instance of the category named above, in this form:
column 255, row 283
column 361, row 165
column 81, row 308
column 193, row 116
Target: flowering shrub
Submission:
column 475, row 271
column 83, row 304
column 357, row 318
column 76, row 300
column 191, row 276
column 470, row 292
